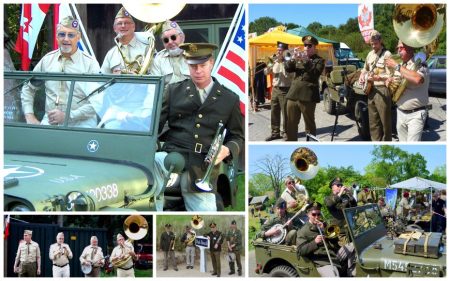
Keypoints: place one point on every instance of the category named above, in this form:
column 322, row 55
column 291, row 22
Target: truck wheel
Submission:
column 283, row 271
column 328, row 103
column 362, row 120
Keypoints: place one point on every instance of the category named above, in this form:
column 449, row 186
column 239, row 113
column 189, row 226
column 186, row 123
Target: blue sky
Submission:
column 358, row 156
column 304, row 14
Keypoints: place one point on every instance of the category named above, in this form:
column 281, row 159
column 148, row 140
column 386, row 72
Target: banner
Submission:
column 31, row 20
column 365, row 20
column 230, row 67
column 391, row 198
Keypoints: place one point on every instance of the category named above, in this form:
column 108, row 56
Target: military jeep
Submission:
column 375, row 252
column 102, row 168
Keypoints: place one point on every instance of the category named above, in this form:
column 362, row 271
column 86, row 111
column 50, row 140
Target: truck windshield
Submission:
column 362, row 220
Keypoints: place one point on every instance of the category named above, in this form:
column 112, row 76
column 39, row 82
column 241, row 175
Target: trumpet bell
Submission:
column 197, row 222
column 418, row 25
column 153, row 12
column 135, row 227
column 304, row 163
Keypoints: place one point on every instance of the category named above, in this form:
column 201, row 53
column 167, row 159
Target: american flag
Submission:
column 230, row 68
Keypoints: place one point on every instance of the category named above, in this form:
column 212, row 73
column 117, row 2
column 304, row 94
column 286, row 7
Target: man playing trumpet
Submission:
column 93, row 255
column 121, row 252
column 60, row 254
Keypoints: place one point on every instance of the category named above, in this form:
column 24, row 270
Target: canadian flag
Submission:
column 6, row 233
column 33, row 16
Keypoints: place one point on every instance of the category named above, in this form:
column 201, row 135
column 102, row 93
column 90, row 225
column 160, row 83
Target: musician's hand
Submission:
column 361, row 79
column 31, row 119
column 318, row 239
column 390, row 62
column 38, row 272
column 224, row 153
column 388, row 81
column 55, row 117
column 16, row 269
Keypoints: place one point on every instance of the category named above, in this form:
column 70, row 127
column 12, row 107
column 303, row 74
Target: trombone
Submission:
column 326, row 248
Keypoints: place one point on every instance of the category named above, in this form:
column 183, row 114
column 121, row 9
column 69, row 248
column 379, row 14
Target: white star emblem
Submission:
column 92, row 146
column 239, row 39
column 19, row 172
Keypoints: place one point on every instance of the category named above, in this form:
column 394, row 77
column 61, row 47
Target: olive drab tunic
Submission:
column 235, row 237
column 307, row 247
column 336, row 205
column 165, row 240
column 296, row 224
column 193, row 124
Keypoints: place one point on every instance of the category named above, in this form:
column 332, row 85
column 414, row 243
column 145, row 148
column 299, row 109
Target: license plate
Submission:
column 423, row 270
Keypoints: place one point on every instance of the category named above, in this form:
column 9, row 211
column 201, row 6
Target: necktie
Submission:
column 176, row 69
column 94, row 252
column 203, row 95
column 28, row 249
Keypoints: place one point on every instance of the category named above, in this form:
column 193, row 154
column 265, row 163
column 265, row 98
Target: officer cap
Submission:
column 28, row 232
column 70, row 22
column 213, row 224
column 310, row 40
column 168, row 225
column 123, row 14
column 281, row 204
column 282, row 46
column 233, row 222
column 168, row 25
column 188, row 227
column 375, row 35
column 197, row 53
column 119, row 236
column 336, row 180
column 313, row 206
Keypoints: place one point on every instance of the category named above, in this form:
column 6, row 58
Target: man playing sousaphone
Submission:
column 123, row 257
column 412, row 104
column 92, row 258
column 295, row 194
column 379, row 98
column 188, row 239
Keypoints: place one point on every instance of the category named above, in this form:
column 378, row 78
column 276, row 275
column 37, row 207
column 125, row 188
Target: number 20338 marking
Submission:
column 105, row 192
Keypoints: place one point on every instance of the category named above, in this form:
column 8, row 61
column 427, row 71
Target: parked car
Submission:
column 438, row 73
column 144, row 252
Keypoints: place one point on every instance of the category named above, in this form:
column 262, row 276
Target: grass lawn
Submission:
column 254, row 227
column 137, row 273
column 240, row 196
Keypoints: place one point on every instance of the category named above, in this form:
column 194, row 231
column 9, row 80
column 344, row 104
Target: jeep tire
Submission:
column 328, row 104
column 283, row 271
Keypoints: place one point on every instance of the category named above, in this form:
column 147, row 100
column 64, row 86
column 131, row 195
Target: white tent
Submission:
column 417, row 183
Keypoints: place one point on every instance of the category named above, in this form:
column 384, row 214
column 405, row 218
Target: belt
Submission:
column 282, row 88
column 27, row 263
column 60, row 265
column 413, row 110
column 127, row 268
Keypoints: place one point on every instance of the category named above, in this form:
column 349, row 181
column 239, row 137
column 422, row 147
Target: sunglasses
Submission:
column 339, row 185
column 315, row 214
column 63, row 35
column 308, row 45
column 291, row 182
column 172, row 37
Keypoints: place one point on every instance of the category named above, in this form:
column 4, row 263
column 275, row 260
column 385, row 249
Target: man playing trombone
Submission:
column 167, row 245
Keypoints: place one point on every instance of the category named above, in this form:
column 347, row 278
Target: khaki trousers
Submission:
column 278, row 110
column 380, row 114
column 215, row 258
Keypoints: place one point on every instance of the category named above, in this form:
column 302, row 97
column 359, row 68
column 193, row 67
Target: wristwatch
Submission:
column 397, row 67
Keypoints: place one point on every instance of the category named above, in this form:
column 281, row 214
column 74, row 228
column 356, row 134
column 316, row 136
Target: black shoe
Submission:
column 187, row 267
column 231, row 273
column 239, row 273
column 214, row 273
column 192, row 267
column 218, row 275
column 273, row 137
column 165, row 269
column 285, row 136
column 176, row 269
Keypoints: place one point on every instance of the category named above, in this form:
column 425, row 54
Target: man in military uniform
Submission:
column 28, row 257
column 234, row 243
column 282, row 217
column 186, row 238
column 310, row 244
column 304, row 92
column 127, row 44
column 194, row 108
column 67, row 59
column 292, row 192
column 93, row 255
column 60, row 254
column 169, row 62
column 215, row 247
column 281, row 82
column 121, row 252
column 167, row 244
column 379, row 98
column 412, row 104
column 366, row 196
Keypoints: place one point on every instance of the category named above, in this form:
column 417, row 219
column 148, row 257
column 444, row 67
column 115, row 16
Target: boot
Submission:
column 231, row 268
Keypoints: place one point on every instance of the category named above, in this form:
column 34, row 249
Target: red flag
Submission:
column 6, row 232
column 231, row 70
column 33, row 16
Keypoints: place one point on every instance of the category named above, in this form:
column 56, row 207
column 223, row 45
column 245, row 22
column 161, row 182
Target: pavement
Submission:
column 346, row 129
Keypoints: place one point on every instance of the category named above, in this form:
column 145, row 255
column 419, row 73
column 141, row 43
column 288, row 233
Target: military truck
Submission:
column 102, row 168
column 375, row 252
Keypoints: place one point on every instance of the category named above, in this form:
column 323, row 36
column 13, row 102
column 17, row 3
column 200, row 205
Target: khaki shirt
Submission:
column 281, row 78
column 174, row 69
column 414, row 96
column 92, row 254
column 113, row 59
column 55, row 254
column 380, row 69
column 82, row 114
column 118, row 251
column 28, row 253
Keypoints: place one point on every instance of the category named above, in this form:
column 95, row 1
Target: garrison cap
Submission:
column 122, row 13
column 375, row 35
column 281, row 204
column 168, row 25
column 70, row 22
column 313, row 206
column 213, row 224
column 282, row 46
column 233, row 222
column 28, row 232
column 310, row 40
column 197, row 53
column 188, row 227
column 336, row 180
column 119, row 236
column 168, row 225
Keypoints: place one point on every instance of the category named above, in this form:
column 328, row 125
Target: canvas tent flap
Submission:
column 418, row 183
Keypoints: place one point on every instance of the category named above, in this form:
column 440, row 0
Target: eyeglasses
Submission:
column 172, row 37
column 124, row 23
column 62, row 35
column 308, row 45
column 339, row 185
column 401, row 47
column 291, row 182
column 315, row 214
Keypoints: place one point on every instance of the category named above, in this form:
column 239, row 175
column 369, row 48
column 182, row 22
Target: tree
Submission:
column 439, row 174
column 291, row 25
column 314, row 27
column 258, row 184
column 276, row 168
column 261, row 25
